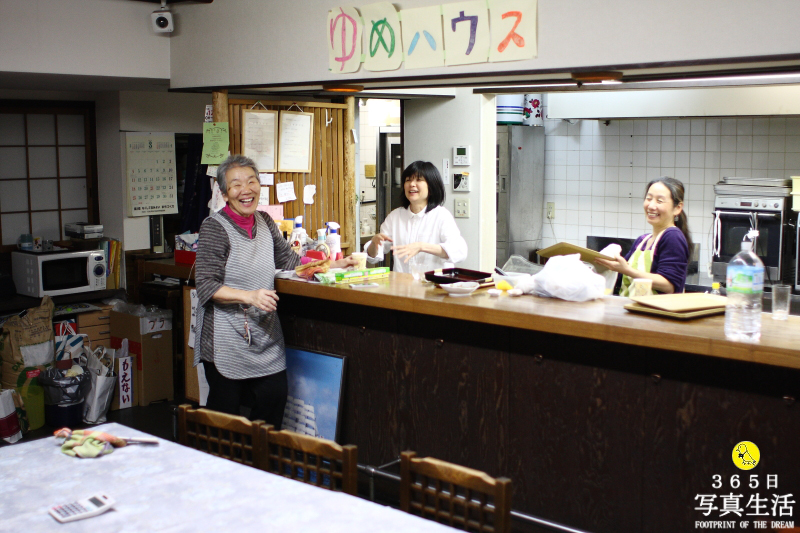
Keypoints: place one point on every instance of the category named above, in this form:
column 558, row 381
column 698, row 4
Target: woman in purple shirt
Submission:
column 662, row 256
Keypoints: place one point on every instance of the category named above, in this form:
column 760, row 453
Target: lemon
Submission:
column 504, row 285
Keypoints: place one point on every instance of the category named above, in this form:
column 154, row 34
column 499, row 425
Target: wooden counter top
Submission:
column 603, row 319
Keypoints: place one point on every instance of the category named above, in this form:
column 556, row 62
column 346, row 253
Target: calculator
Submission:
column 91, row 506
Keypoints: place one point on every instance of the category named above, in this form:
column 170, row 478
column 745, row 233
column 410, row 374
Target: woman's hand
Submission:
column 618, row 264
column 345, row 262
column 264, row 299
column 376, row 242
column 407, row 251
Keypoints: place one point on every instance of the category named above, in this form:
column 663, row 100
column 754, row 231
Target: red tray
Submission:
column 454, row 275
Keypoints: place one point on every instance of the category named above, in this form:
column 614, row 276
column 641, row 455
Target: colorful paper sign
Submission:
column 215, row 143
column 513, row 24
column 383, row 37
column 466, row 32
column 422, row 37
column 344, row 35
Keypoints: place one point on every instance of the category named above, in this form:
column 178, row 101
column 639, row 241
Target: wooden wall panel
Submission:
column 595, row 435
column 576, row 431
column 327, row 168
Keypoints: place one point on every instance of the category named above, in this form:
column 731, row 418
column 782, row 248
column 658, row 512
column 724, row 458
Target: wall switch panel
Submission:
column 551, row 210
column 462, row 208
column 461, row 182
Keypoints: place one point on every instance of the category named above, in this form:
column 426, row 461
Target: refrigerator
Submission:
column 520, row 190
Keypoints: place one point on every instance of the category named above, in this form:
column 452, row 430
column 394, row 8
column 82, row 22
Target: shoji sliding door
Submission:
column 47, row 163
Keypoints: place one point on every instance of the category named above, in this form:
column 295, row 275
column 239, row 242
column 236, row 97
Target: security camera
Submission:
column 162, row 21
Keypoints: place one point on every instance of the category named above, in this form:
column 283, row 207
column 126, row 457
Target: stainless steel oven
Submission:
column 734, row 217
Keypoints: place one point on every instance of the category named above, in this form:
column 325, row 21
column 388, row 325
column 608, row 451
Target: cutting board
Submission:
column 639, row 308
column 565, row 248
column 682, row 302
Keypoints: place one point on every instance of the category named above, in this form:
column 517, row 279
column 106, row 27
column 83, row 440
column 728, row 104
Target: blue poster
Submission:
column 315, row 390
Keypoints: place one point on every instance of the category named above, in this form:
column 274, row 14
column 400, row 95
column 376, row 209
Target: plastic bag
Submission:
column 62, row 390
column 99, row 366
column 566, row 277
column 612, row 250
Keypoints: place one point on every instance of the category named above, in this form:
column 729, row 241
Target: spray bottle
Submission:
column 299, row 237
column 333, row 240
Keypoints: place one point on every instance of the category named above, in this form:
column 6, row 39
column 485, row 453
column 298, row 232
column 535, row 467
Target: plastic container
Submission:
column 299, row 238
column 510, row 108
column 715, row 288
column 745, row 288
column 33, row 397
column 333, row 240
column 59, row 416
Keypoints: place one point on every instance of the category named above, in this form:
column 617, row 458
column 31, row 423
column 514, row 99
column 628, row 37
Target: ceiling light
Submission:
column 342, row 88
column 599, row 76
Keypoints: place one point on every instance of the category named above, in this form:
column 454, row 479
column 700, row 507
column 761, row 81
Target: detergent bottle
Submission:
column 299, row 237
column 333, row 240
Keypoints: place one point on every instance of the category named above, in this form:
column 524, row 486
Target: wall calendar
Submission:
column 150, row 177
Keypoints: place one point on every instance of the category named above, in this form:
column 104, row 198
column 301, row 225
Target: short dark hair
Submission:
column 432, row 177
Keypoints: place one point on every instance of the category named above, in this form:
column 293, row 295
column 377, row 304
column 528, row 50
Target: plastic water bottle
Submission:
column 715, row 288
column 745, row 287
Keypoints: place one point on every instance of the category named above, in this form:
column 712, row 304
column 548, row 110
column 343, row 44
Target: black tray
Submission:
column 454, row 275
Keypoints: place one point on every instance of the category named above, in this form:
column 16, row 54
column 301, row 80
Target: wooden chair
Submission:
column 228, row 436
column 455, row 495
column 309, row 459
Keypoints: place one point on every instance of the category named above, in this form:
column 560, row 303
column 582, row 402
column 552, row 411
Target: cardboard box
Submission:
column 124, row 394
column 150, row 340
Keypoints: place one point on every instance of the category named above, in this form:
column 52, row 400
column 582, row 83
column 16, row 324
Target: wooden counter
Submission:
column 604, row 420
column 604, row 319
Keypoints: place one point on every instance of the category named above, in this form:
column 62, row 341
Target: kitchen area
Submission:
column 582, row 180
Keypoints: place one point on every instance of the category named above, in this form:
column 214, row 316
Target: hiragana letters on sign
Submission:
column 344, row 40
column 385, row 42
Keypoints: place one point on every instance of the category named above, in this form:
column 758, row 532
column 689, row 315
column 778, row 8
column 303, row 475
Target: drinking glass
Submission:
column 781, row 297
column 417, row 267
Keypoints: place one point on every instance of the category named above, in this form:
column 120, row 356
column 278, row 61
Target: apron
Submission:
column 640, row 260
column 250, row 266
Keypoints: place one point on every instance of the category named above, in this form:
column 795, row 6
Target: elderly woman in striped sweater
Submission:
column 240, row 340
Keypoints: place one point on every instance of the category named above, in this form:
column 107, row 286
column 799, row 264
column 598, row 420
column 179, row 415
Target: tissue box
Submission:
column 349, row 276
column 186, row 248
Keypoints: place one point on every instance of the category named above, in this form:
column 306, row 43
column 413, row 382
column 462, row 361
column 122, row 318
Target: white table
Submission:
column 170, row 487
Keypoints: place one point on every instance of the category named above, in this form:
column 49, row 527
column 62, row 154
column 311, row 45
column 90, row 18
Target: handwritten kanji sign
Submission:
column 466, row 32
column 383, row 37
column 344, row 35
column 513, row 24
column 422, row 37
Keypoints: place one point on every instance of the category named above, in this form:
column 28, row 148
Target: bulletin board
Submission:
column 260, row 138
column 295, row 141
column 150, row 179
column 327, row 161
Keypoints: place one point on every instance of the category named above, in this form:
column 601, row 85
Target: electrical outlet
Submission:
column 462, row 208
column 551, row 210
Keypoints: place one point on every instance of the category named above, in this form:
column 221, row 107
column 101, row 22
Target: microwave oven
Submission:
column 57, row 273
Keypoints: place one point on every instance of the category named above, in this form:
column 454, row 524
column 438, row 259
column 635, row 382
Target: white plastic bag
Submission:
column 103, row 379
column 612, row 250
column 566, row 277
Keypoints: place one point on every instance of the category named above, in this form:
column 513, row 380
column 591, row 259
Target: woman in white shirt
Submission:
column 422, row 231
